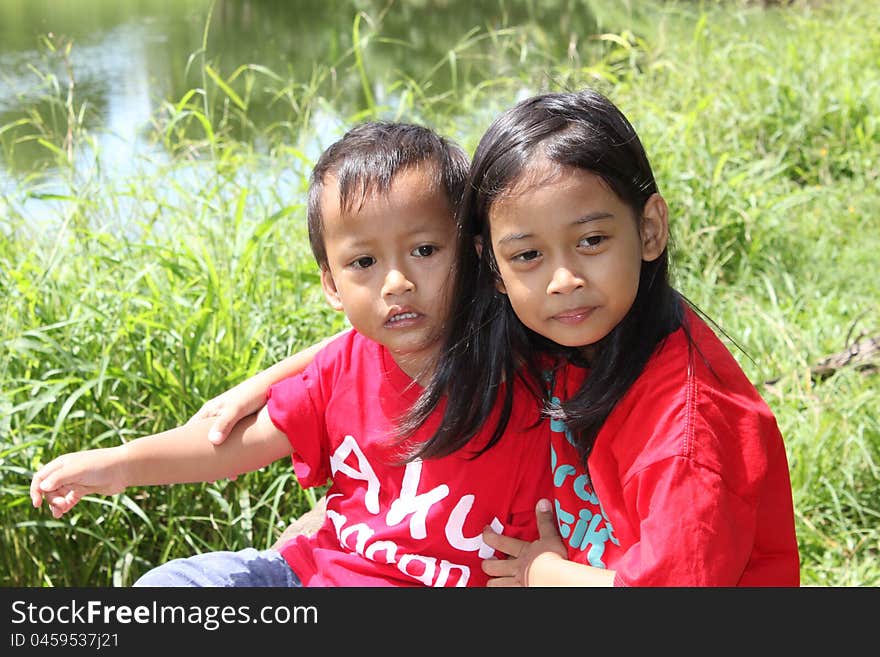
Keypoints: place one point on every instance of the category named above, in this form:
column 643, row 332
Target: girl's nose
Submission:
column 396, row 283
column 564, row 281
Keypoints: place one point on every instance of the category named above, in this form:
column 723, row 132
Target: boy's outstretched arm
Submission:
column 181, row 455
column 249, row 396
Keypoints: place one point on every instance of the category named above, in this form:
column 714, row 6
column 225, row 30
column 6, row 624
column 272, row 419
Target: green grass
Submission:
column 152, row 294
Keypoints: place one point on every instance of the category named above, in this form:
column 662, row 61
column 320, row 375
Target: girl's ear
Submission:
column 654, row 228
column 330, row 291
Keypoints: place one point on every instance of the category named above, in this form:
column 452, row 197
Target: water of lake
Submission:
column 129, row 57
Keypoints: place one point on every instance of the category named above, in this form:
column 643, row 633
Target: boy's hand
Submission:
column 514, row 571
column 65, row 480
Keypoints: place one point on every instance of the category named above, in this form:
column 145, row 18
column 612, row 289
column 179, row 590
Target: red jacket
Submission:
column 690, row 482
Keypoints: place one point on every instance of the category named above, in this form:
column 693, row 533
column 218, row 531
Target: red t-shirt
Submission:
column 690, row 482
column 400, row 525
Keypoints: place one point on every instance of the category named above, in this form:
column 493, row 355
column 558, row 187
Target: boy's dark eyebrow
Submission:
column 592, row 216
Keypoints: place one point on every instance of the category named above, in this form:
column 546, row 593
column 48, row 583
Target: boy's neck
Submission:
column 418, row 366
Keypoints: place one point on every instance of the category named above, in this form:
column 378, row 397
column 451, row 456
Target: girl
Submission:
column 668, row 467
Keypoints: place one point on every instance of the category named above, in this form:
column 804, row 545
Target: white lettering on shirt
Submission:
column 364, row 533
column 455, row 530
column 429, row 565
column 446, row 568
column 364, row 473
column 410, row 502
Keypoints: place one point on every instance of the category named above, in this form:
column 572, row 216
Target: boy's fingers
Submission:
column 56, row 499
column 49, row 472
column 49, row 483
column 37, row 481
column 62, row 501
column 36, row 495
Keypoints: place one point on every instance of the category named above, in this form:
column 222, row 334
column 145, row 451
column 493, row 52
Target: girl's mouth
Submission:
column 574, row 316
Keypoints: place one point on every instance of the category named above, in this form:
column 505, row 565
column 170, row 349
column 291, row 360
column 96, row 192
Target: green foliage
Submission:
column 151, row 295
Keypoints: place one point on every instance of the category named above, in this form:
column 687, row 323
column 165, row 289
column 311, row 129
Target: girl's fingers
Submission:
column 208, row 410
column 222, row 426
column 505, row 544
column 546, row 519
column 498, row 567
column 503, row 582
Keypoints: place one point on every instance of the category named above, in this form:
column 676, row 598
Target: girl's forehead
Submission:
column 547, row 183
column 538, row 172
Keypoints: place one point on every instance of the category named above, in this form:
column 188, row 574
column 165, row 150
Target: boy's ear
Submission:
column 330, row 291
column 654, row 228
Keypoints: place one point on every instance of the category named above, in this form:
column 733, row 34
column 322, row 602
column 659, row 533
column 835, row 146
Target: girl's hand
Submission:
column 249, row 396
column 514, row 571
column 65, row 480
column 229, row 407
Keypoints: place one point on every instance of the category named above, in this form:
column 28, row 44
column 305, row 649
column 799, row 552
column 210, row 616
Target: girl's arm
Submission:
column 181, row 455
column 249, row 396
column 542, row 562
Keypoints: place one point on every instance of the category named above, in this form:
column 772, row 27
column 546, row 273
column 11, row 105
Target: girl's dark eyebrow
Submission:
column 594, row 216
column 512, row 237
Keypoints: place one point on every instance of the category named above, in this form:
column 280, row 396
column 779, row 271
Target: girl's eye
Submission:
column 527, row 256
column 364, row 262
column 424, row 251
column 592, row 241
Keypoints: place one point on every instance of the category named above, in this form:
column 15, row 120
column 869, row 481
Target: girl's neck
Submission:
column 587, row 354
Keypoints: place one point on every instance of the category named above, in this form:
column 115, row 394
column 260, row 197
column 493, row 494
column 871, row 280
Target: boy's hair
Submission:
column 487, row 343
column 366, row 159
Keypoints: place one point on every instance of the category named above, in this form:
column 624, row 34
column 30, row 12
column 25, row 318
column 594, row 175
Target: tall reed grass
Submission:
column 137, row 300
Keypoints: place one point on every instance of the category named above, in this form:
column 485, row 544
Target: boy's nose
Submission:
column 564, row 281
column 396, row 282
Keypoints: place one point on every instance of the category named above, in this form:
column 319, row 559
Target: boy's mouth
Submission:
column 402, row 317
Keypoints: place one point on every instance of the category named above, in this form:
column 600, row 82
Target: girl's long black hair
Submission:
column 487, row 344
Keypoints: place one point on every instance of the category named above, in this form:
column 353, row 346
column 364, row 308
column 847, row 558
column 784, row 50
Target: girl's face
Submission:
column 570, row 252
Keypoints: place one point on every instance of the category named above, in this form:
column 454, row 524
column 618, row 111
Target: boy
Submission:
column 382, row 229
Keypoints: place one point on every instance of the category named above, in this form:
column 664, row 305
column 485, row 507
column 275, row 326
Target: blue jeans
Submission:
column 248, row 567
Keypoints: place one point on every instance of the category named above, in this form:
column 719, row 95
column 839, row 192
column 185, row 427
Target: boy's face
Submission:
column 391, row 264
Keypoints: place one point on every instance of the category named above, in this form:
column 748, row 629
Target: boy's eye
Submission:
column 424, row 251
column 363, row 262
column 527, row 256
